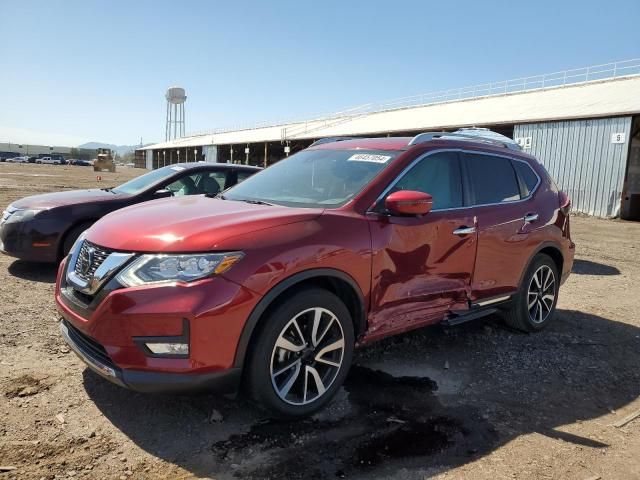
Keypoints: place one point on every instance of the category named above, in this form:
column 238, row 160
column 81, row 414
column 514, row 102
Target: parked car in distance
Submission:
column 273, row 283
column 79, row 163
column 42, row 228
column 49, row 161
column 18, row 160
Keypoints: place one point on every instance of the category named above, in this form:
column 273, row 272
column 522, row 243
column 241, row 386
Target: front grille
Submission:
column 88, row 345
column 89, row 259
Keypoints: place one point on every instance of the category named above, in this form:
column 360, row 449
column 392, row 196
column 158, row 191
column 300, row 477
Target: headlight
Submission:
column 176, row 268
column 21, row 215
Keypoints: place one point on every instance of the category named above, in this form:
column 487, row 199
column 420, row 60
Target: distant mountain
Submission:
column 119, row 149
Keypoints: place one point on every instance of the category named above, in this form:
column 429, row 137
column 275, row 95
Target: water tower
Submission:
column 175, row 112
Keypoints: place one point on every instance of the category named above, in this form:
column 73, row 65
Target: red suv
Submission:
column 274, row 282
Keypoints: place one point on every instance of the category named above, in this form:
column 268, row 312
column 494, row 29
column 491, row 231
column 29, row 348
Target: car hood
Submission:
column 59, row 199
column 188, row 224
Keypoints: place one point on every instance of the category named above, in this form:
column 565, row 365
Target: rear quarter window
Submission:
column 527, row 175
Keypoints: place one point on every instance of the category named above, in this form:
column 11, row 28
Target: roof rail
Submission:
column 330, row 140
column 482, row 135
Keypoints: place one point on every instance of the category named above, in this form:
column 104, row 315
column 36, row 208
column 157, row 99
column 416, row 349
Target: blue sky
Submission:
column 83, row 70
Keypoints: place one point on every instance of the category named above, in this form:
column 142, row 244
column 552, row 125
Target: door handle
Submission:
column 464, row 230
column 531, row 217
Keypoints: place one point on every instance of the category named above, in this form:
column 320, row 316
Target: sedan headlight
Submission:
column 150, row 269
column 20, row 215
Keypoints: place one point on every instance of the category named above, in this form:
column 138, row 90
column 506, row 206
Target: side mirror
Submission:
column 164, row 193
column 409, row 202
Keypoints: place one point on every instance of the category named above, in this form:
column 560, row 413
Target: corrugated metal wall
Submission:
column 583, row 160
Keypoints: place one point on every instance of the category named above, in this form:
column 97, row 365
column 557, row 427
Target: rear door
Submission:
column 421, row 266
column 505, row 219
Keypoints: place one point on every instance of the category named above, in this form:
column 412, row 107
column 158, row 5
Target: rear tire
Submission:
column 302, row 354
column 533, row 307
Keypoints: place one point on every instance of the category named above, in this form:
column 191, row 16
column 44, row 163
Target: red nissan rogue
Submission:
column 273, row 283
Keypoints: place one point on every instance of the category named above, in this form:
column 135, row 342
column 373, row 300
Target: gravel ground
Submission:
column 476, row 401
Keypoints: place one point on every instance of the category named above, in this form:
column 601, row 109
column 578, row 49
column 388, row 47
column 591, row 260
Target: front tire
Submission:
column 302, row 353
column 71, row 237
column 534, row 305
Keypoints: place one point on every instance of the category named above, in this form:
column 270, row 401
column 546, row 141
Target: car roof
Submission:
column 404, row 143
column 192, row 165
column 381, row 143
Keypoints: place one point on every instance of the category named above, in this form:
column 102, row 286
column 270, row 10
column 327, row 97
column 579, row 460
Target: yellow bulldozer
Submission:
column 104, row 161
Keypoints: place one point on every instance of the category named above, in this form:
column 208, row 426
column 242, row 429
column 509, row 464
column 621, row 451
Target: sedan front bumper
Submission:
column 33, row 240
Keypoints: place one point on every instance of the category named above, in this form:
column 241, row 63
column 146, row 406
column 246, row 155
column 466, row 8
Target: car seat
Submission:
column 210, row 186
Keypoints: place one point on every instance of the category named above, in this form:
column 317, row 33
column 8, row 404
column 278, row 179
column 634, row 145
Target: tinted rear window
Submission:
column 493, row 179
column 527, row 175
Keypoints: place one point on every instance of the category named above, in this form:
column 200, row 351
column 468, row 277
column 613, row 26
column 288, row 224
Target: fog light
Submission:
column 168, row 348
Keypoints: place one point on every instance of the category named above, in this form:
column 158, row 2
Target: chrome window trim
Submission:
column 461, row 150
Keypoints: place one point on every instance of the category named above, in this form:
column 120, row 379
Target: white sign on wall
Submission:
column 246, row 150
column 524, row 142
column 618, row 137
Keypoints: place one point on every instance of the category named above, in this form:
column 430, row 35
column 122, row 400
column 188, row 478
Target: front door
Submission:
column 422, row 266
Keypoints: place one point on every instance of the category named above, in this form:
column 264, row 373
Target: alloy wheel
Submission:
column 307, row 356
column 541, row 294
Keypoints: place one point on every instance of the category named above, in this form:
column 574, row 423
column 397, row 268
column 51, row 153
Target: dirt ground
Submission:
column 476, row 401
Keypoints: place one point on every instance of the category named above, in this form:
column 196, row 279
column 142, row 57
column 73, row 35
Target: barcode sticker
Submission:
column 368, row 157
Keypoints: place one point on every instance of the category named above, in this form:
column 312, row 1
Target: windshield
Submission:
column 313, row 178
column 141, row 183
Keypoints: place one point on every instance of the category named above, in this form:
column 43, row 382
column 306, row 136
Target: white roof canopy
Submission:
column 602, row 98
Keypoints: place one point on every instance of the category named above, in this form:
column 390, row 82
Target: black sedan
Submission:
column 43, row 228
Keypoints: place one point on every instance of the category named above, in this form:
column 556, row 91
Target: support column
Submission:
column 266, row 152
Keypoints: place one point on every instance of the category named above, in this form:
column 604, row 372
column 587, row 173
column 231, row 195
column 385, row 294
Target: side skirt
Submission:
column 476, row 310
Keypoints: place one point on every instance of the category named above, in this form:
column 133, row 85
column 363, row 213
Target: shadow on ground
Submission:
column 498, row 385
column 587, row 267
column 35, row 272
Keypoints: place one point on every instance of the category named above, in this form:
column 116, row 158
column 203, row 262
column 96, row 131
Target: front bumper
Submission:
column 141, row 380
column 105, row 331
column 33, row 240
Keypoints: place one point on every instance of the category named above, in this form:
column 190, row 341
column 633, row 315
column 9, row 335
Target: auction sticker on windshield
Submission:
column 368, row 157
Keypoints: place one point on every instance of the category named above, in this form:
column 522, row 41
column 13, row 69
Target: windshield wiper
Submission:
column 219, row 196
column 108, row 189
column 253, row 202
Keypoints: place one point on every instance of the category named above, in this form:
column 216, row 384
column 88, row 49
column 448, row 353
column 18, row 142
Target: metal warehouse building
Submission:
column 583, row 125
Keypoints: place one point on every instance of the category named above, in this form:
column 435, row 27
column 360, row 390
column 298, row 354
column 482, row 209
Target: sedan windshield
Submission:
column 313, row 178
column 141, row 183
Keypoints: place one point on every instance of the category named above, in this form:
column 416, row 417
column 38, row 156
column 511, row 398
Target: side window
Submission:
column 242, row 175
column 212, row 182
column 528, row 177
column 438, row 175
column 492, row 179
column 186, row 185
